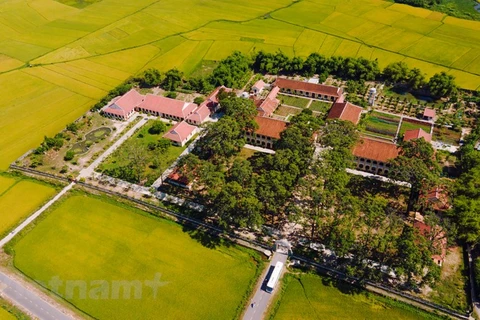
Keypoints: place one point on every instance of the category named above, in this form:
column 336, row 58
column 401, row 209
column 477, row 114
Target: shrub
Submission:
column 198, row 100
column 72, row 127
column 64, row 169
column 157, row 127
column 171, row 94
column 69, row 155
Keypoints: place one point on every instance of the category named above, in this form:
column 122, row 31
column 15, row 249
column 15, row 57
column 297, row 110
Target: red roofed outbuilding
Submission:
column 258, row 87
column 434, row 234
column 417, row 134
column 312, row 90
column 372, row 155
column 429, row 114
column 180, row 133
column 345, row 111
column 123, row 107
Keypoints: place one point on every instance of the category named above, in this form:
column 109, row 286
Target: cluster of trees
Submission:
column 460, row 9
column 50, row 143
column 246, row 193
column 439, row 85
column 338, row 211
column 419, row 3
column 345, row 68
column 466, row 200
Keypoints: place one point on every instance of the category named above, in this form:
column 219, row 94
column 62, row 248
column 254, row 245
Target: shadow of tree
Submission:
column 342, row 286
column 207, row 239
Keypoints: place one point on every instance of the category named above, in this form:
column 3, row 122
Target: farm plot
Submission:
column 410, row 124
column 90, row 238
column 12, row 209
column 446, row 135
column 307, row 296
column 382, row 123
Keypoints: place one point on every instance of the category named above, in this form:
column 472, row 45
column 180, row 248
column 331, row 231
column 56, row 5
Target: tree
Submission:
column 396, row 72
column 242, row 110
column 415, row 165
column 416, row 79
column 72, row 127
column 221, row 140
column 157, row 127
column 150, row 78
column 198, row 100
column 442, row 84
column 173, row 79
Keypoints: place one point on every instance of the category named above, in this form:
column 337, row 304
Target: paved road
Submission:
column 262, row 299
column 14, row 291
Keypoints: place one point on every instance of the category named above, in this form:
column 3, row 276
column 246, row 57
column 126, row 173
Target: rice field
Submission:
column 196, row 281
column 73, row 54
column 308, row 296
column 13, row 211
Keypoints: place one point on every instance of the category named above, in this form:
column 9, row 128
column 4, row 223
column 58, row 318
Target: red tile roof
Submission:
column 372, row 149
column 345, row 111
column 180, row 132
column 309, row 87
column 259, row 85
column 270, row 103
column 200, row 114
column 270, row 127
column 417, row 134
column 437, row 197
column 430, row 113
column 172, row 107
column 125, row 104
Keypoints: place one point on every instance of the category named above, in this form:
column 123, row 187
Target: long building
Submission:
column 167, row 108
column 372, row 155
column 312, row 90
column 123, row 107
column 267, row 133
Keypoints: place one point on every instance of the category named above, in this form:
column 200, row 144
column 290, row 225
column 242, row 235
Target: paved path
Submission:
column 88, row 171
column 378, row 177
column 262, row 299
column 259, row 149
column 27, row 300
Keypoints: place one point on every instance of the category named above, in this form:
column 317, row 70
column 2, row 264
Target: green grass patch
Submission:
column 408, row 124
column 293, row 101
column 91, row 238
column 320, row 106
column 157, row 160
column 78, row 3
column 308, row 296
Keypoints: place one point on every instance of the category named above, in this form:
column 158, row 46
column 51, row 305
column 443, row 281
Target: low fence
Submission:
column 253, row 243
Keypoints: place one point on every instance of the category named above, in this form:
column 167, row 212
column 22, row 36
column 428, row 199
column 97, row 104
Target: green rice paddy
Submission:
column 90, row 239
column 308, row 296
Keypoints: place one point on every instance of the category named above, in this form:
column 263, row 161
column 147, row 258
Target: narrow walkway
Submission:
column 259, row 149
column 377, row 177
column 258, row 306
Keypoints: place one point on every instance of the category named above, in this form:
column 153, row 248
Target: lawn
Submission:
column 89, row 239
column 412, row 125
column 293, row 101
column 308, row 296
column 382, row 123
column 5, row 315
column 156, row 160
column 446, row 135
column 19, row 198
column 285, row 111
column 320, row 106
